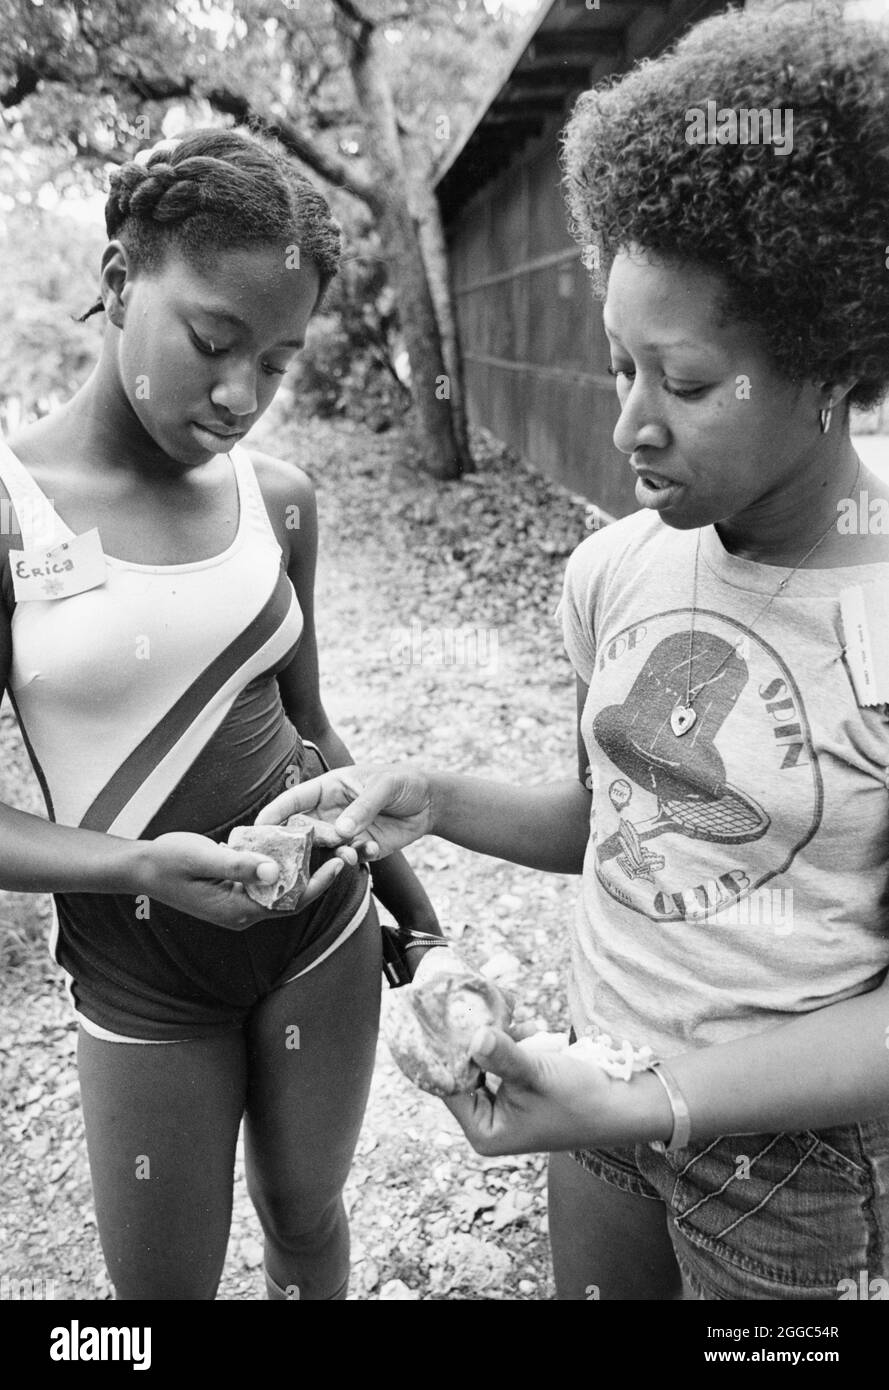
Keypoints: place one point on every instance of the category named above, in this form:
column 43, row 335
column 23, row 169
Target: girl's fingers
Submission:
column 321, row 881
column 244, row 867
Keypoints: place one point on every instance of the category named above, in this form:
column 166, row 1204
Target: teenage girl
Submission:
column 164, row 672
column 730, row 814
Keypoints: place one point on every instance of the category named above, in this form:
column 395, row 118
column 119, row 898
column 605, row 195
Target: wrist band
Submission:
column 681, row 1135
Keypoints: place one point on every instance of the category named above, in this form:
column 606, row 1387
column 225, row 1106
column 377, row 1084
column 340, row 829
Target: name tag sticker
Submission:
column 64, row 570
column 865, row 613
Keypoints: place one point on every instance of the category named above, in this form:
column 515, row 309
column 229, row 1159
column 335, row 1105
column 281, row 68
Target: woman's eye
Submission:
column 273, row 371
column 629, row 374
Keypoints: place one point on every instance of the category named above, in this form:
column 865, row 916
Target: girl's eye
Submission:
column 273, row 371
column 205, row 345
column 670, row 390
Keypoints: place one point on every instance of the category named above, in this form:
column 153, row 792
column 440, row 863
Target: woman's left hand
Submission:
column 546, row 1102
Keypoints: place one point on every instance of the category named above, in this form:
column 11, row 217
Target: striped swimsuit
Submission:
column 150, row 704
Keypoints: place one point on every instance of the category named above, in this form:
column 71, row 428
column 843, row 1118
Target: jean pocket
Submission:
column 789, row 1207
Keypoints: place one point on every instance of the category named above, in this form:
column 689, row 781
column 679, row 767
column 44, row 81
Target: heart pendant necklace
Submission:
column 681, row 719
column 684, row 716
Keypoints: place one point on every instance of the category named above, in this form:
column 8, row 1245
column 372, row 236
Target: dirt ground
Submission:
column 437, row 641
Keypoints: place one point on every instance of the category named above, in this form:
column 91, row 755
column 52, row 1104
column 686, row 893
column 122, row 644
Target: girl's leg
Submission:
column 311, row 1047
column 607, row 1243
column 161, row 1128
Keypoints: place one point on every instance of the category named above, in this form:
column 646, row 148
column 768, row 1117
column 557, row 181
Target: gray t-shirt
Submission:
column 734, row 874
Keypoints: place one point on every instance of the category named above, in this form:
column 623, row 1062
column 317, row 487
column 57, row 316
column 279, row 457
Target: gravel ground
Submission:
column 437, row 642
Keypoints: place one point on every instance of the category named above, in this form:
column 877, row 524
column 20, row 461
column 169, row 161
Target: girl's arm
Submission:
column 290, row 498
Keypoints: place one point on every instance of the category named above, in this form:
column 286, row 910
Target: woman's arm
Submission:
column 544, row 827
column 289, row 493
column 830, row 1067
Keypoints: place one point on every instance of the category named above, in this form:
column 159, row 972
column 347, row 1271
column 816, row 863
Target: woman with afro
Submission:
column 730, row 814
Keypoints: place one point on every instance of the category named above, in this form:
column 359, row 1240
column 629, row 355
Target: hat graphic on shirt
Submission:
column 686, row 773
column 637, row 735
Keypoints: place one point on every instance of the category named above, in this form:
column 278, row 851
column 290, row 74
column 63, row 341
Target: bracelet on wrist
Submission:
column 681, row 1135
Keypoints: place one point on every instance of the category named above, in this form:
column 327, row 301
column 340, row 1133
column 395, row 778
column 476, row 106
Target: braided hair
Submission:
column 218, row 190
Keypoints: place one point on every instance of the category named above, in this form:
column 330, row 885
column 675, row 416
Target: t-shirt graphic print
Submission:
column 735, row 868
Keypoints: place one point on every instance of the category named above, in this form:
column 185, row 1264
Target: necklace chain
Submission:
column 692, row 695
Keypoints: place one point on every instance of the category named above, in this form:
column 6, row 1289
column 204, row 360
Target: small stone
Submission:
column 508, row 902
column 251, row 1253
column 526, row 1287
column 37, row 1147
column 397, row 1290
column 290, row 846
column 503, row 967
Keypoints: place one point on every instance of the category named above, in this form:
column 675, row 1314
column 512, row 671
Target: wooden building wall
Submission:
column 531, row 332
column 535, row 351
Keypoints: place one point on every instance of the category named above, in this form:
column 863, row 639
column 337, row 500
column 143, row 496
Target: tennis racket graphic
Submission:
column 729, row 819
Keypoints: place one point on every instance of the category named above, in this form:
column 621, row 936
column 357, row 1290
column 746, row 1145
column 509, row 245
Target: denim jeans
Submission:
column 768, row 1216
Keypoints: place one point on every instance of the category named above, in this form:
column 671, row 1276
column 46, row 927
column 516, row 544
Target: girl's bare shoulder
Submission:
column 289, row 496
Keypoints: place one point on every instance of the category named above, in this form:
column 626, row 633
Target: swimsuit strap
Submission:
column 38, row 523
column 256, row 515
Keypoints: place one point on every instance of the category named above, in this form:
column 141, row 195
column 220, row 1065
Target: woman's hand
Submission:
column 546, row 1102
column 204, row 879
column 376, row 809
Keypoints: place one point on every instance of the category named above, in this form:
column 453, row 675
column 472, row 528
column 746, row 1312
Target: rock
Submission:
column 526, row 1287
column 464, row 1261
column 508, row 902
column 36, row 1148
column 396, row 1290
column 513, row 1206
column 429, row 1027
column 503, row 967
column 251, row 1253
column 291, row 847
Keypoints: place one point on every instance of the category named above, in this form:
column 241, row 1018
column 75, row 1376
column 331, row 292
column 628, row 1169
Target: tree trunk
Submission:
column 427, row 216
column 430, row 379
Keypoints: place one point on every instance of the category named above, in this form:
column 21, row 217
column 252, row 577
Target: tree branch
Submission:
column 351, row 11
column 229, row 103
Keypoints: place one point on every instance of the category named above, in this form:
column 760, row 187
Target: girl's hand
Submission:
column 199, row 877
column 546, row 1101
column 376, row 809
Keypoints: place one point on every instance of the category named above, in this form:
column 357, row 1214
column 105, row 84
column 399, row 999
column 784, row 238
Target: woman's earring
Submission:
column 824, row 417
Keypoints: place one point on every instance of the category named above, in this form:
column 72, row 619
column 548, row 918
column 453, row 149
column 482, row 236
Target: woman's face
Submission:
column 201, row 354
column 712, row 430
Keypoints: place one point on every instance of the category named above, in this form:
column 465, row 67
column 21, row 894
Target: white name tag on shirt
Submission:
column 865, row 611
column 63, row 570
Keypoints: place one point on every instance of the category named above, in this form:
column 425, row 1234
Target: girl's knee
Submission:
column 296, row 1223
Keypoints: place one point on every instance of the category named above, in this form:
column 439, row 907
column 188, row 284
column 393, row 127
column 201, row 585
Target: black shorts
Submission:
column 159, row 975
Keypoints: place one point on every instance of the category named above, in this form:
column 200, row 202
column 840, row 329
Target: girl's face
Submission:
column 201, row 354
column 712, row 430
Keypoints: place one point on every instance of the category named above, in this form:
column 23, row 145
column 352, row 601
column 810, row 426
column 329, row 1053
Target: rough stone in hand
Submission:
column 429, row 1026
column 290, row 846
